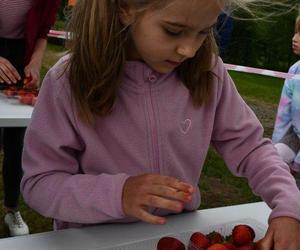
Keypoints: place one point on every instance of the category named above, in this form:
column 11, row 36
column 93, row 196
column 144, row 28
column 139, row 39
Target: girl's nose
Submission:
column 187, row 50
column 296, row 37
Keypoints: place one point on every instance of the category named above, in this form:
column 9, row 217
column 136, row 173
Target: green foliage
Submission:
column 61, row 10
column 263, row 43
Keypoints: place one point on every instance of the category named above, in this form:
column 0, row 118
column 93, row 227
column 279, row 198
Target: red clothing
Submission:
column 40, row 18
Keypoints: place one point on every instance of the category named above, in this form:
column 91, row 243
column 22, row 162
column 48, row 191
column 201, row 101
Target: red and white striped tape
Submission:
column 265, row 72
column 57, row 34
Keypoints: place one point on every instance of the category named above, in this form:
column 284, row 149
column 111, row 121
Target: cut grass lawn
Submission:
column 218, row 186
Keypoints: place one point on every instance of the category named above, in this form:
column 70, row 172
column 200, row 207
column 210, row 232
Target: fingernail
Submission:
column 162, row 221
column 188, row 198
column 179, row 206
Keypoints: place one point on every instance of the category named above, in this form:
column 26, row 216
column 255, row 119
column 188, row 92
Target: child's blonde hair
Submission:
column 97, row 56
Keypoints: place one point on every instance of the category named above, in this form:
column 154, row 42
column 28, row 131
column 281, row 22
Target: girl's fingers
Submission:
column 169, row 192
column 267, row 241
column 176, row 184
column 145, row 216
column 162, row 203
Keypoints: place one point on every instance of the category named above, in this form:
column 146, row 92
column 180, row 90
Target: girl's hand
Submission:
column 283, row 233
column 155, row 191
column 32, row 74
column 8, row 73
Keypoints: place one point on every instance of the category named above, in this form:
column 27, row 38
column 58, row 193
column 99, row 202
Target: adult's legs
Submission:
column 12, row 168
column 12, row 140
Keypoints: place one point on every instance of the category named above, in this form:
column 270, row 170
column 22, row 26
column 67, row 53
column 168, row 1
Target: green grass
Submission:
column 256, row 87
column 218, row 186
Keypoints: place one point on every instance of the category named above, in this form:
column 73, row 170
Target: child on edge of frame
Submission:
column 124, row 122
column 287, row 125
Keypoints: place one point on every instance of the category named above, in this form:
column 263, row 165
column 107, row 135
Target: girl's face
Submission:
column 164, row 38
column 296, row 43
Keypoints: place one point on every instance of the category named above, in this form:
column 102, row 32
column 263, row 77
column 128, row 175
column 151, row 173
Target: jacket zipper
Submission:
column 154, row 133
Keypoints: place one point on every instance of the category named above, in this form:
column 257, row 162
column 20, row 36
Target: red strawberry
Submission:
column 229, row 246
column 242, row 235
column 217, row 246
column 215, row 237
column 26, row 99
column 33, row 101
column 249, row 246
column 170, row 243
column 10, row 92
column 198, row 241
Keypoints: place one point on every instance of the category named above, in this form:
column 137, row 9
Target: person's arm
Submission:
column 238, row 137
column 283, row 117
column 53, row 183
column 32, row 70
column 48, row 11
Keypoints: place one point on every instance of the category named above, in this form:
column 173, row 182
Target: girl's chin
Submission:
column 297, row 52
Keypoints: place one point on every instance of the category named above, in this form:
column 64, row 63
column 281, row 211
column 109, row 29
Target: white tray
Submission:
column 224, row 229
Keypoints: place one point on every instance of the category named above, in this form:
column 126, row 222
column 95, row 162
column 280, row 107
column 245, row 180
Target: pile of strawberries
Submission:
column 26, row 96
column 242, row 238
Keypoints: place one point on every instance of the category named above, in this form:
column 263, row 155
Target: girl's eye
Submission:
column 203, row 33
column 173, row 33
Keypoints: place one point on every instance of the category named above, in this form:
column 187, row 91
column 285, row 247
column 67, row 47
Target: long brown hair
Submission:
column 97, row 57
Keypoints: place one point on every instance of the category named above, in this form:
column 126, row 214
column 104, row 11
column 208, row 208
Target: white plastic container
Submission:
column 224, row 229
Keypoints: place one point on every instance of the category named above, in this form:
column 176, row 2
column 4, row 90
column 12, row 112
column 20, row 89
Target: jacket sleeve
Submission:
column 48, row 16
column 53, row 183
column 284, row 116
column 238, row 137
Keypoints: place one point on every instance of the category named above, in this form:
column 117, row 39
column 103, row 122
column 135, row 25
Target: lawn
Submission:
column 219, row 187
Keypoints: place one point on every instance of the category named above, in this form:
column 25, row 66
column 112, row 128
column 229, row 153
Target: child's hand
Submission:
column 283, row 233
column 156, row 191
column 8, row 72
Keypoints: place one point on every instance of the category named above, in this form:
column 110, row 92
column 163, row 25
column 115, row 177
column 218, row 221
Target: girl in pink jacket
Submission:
column 124, row 122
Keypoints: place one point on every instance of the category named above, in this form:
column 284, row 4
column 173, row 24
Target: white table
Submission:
column 114, row 235
column 13, row 113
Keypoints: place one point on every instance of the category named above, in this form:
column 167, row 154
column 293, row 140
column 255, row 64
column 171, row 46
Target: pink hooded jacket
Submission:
column 75, row 173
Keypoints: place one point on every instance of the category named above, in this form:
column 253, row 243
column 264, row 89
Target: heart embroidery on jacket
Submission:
column 185, row 126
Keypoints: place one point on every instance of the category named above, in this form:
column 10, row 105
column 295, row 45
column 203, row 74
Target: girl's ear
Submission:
column 127, row 13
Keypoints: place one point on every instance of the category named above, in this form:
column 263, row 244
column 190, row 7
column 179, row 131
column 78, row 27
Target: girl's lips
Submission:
column 173, row 63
